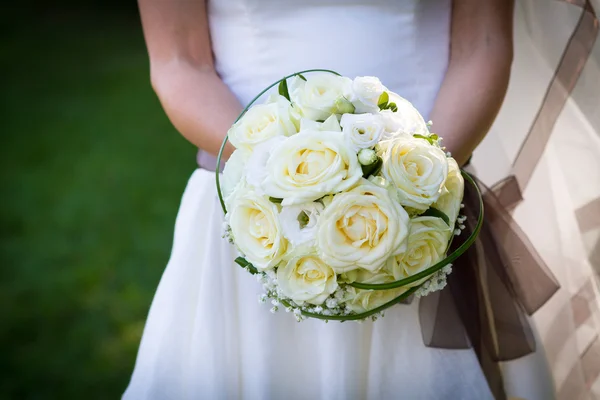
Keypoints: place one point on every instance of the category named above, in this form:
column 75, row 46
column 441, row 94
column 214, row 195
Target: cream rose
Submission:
column 416, row 168
column 321, row 95
column 427, row 244
column 452, row 193
column 306, row 278
column 256, row 230
column 362, row 300
column 309, row 165
column 405, row 120
column 362, row 131
column 262, row 122
column 365, row 94
column 361, row 228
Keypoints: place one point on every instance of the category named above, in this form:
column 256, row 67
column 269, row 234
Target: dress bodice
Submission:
column 403, row 42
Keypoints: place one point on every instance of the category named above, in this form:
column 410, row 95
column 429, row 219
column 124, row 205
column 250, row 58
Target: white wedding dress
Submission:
column 206, row 335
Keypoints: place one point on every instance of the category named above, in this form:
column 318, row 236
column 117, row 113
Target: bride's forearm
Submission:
column 198, row 103
column 467, row 104
column 477, row 78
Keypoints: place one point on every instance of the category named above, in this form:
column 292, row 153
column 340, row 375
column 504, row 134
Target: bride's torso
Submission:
column 403, row 42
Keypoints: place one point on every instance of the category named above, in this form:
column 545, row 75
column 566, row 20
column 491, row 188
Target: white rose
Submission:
column 416, row 168
column 366, row 91
column 320, row 96
column 427, row 245
column 309, row 165
column 452, row 193
column 362, row 300
column 362, row 131
column 405, row 120
column 262, row 122
column 299, row 222
column 331, row 124
column 256, row 230
column 233, row 172
column 256, row 165
column 362, row 228
column 306, row 278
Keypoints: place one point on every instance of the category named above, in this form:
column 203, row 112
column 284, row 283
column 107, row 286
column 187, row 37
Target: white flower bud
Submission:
column 343, row 106
column 367, row 157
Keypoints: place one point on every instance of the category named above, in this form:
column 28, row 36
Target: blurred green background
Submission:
column 91, row 177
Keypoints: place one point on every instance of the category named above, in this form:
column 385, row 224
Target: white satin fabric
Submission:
column 206, row 335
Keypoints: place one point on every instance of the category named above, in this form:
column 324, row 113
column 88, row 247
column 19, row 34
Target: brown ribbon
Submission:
column 493, row 287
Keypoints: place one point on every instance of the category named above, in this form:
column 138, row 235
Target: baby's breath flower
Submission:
column 339, row 294
column 331, row 303
column 435, row 283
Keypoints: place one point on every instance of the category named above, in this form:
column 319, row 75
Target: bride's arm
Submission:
column 182, row 72
column 475, row 84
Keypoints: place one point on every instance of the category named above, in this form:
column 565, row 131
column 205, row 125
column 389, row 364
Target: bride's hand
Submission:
column 472, row 92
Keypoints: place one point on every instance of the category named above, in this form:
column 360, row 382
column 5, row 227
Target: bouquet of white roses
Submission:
column 339, row 198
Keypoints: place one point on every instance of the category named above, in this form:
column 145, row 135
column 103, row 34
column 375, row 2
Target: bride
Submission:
column 206, row 335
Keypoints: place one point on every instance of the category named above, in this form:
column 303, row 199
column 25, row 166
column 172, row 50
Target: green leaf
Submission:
column 283, row 89
column 383, row 100
column 275, row 200
column 372, row 169
column 241, row 261
column 430, row 139
column 392, row 106
column 434, row 212
column 321, row 200
column 303, row 219
column 301, row 77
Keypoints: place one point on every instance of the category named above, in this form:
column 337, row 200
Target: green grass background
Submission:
column 91, row 177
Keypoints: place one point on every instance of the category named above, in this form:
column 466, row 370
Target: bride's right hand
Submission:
column 195, row 99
